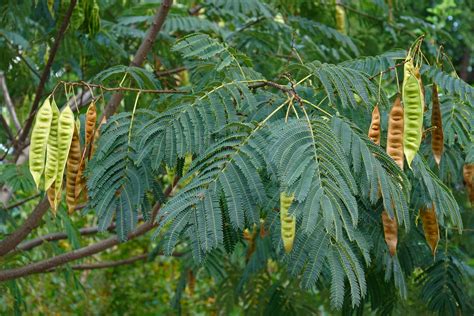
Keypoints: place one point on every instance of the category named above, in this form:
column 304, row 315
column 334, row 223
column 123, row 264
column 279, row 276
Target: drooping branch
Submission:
column 94, row 85
column 8, row 101
column 46, row 72
column 142, row 51
column 45, row 265
column 116, row 263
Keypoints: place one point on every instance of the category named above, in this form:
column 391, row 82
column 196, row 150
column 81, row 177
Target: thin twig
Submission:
column 169, row 72
column 388, row 69
column 87, row 84
column 46, row 72
column 7, row 129
column 19, row 203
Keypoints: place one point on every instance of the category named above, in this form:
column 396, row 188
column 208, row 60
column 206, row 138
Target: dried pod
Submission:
column 288, row 222
column 430, row 227
column 39, row 140
column 390, row 230
column 437, row 138
column 395, row 133
column 468, row 174
column 72, row 168
column 52, row 197
column 91, row 118
column 374, row 130
column 413, row 101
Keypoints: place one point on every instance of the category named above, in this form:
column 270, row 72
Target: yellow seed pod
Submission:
column 39, row 140
column 65, row 133
column 430, row 227
column 390, row 230
column 340, row 18
column 374, row 130
column 51, row 168
column 288, row 222
column 72, row 167
column 414, row 103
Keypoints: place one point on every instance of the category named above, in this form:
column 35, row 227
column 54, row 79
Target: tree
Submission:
column 237, row 137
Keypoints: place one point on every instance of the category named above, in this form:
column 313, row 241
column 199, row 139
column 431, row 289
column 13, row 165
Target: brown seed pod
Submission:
column 91, row 118
column 191, row 282
column 72, row 168
column 390, row 230
column 51, row 198
column 468, row 174
column 430, row 227
column 395, row 133
column 437, row 138
column 374, row 130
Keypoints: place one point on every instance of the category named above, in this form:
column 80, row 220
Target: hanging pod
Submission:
column 395, row 133
column 413, row 102
column 91, row 118
column 468, row 175
column 430, row 227
column 65, row 133
column 390, row 231
column 51, row 168
column 39, row 141
column 437, row 138
column 374, row 130
column 72, row 167
column 288, row 222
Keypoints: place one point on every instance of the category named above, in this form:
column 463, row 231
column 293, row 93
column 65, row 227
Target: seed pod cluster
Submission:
column 430, row 227
column 437, row 138
column 395, row 133
column 390, row 230
column 468, row 174
column 374, row 130
column 413, row 101
column 288, row 222
column 72, row 167
column 39, row 141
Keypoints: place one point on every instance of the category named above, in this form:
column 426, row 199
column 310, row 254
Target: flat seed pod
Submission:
column 65, row 133
column 52, row 198
column 51, row 168
column 430, row 227
column 395, row 133
column 390, row 230
column 374, row 130
column 91, row 118
column 340, row 18
column 288, row 222
column 72, row 167
column 39, row 140
column 413, row 101
column 468, row 174
column 437, row 137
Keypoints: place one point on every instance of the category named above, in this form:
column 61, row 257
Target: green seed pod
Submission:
column 52, row 149
column 39, row 140
column 413, row 101
column 65, row 133
column 288, row 222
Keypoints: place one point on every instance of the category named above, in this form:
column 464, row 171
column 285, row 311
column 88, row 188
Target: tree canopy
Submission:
column 236, row 157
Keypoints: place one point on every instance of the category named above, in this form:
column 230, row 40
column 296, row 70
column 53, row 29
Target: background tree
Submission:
column 207, row 115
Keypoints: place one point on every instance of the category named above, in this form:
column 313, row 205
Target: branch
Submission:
column 93, row 85
column 10, row 242
column 46, row 71
column 7, row 129
column 45, row 265
column 142, row 51
column 8, row 101
column 169, row 72
column 111, row 264
column 21, row 202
